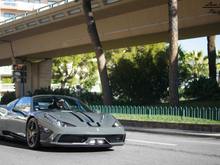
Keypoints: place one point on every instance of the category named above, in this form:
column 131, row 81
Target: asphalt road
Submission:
column 140, row 149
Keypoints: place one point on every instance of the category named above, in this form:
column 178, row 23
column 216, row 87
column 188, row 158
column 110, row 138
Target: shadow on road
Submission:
column 62, row 149
column 22, row 145
column 12, row 143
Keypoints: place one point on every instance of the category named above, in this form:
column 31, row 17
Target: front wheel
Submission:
column 33, row 134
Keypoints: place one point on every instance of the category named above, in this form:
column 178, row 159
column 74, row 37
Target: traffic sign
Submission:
column 19, row 73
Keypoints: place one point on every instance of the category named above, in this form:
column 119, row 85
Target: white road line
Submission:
column 150, row 142
column 202, row 142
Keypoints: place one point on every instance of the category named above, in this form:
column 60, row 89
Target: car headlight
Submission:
column 64, row 124
column 116, row 124
column 58, row 122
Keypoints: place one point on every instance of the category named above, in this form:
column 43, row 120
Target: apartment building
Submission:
column 9, row 9
column 6, row 80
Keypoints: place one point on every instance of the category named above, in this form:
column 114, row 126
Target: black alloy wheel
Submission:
column 33, row 134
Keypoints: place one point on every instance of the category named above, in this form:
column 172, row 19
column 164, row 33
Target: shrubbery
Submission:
column 87, row 97
column 202, row 88
column 141, row 79
column 8, row 97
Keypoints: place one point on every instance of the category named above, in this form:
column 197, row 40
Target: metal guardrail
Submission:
column 210, row 113
column 21, row 5
column 55, row 4
column 50, row 6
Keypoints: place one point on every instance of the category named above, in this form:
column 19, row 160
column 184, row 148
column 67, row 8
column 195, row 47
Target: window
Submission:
column 8, row 15
column 11, row 105
column 9, row 2
column 23, row 105
column 59, row 102
column 34, row 1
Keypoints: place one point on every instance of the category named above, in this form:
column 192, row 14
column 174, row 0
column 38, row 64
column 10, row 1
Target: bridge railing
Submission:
column 55, row 4
column 210, row 113
column 41, row 9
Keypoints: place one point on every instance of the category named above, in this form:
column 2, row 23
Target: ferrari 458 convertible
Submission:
column 49, row 120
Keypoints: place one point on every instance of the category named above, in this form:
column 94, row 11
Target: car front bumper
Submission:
column 84, row 137
column 106, row 144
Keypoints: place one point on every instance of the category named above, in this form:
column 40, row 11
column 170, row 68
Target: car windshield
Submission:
column 59, row 103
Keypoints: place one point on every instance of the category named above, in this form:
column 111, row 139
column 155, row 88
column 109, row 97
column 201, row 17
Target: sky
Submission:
column 198, row 44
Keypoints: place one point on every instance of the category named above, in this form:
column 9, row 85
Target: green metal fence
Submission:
column 211, row 113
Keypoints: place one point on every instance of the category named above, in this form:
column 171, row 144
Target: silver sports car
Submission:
column 49, row 120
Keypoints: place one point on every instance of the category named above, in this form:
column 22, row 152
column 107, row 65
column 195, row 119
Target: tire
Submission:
column 1, row 137
column 33, row 134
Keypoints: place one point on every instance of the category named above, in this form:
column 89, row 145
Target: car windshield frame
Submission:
column 43, row 103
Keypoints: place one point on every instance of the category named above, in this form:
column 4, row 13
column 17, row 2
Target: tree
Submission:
column 192, row 65
column 212, row 56
column 202, row 88
column 184, row 67
column 139, row 75
column 75, row 70
column 173, row 53
column 100, row 55
column 218, row 62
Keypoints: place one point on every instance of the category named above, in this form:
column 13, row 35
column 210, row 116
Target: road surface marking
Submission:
column 201, row 142
column 150, row 142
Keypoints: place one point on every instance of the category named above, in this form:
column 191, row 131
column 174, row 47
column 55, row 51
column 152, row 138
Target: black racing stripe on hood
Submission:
column 77, row 116
column 94, row 124
column 88, row 117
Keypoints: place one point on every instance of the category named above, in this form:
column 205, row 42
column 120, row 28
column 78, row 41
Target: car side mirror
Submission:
column 20, row 112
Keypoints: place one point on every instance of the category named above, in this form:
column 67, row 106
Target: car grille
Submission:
column 115, row 138
column 72, row 139
column 83, row 138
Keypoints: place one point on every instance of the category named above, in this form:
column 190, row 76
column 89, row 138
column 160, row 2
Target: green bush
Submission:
column 141, row 80
column 85, row 96
column 91, row 98
column 202, row 88
column 59, row 91
column 7, row 80
column 8, row 97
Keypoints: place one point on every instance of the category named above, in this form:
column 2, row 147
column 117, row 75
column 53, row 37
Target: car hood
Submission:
column 82, row 119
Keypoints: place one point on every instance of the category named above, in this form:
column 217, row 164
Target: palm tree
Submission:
column 173, row 53
column 212, row 56
column 100, row 55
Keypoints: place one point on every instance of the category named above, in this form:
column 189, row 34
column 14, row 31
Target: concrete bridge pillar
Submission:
column 38, row 76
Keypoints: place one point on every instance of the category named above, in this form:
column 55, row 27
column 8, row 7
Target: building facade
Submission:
column 6, row 80
column 9, row 9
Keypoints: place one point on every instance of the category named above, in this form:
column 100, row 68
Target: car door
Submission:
column 16, row 122
column 3, row 114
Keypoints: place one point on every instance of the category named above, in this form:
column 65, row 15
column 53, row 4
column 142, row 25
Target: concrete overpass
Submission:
column 61, row 30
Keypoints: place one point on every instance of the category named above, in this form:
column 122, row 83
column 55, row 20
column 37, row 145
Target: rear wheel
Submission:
column 33, row 134
column 1, row 137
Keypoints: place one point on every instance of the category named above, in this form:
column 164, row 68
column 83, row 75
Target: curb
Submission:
column 173, row 132
column 204, row 128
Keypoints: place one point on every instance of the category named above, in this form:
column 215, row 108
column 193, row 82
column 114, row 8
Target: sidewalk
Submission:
column 173, row 132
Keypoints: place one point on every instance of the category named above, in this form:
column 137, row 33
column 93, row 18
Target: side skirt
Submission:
column 13, row 135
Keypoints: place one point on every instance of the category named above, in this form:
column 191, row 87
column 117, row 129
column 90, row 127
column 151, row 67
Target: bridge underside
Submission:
column 130, row 22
